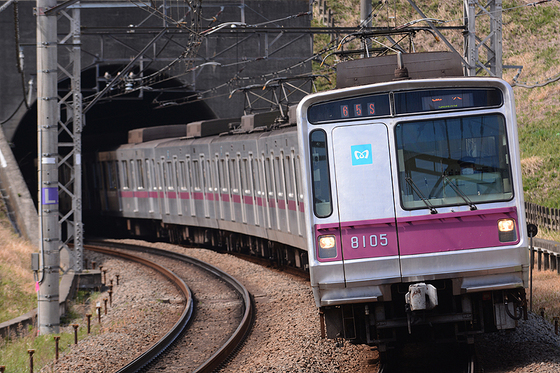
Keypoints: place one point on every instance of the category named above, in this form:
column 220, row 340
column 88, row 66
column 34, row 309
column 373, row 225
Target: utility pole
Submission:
column 366, row 22
column 47, row 133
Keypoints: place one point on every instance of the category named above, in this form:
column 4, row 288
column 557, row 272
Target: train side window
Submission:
column 221, row 175
column 233, row 181
column 255, row 174
column 289, row 176
column 212, row 177
column 126, row 179
column 196, row 175
column 176, row 177
column 182, row 175
column 204, row 174
column 268, row 178
column 158, row 176
column 114, row 175
column 132, row 175
column 278, row 178
column 297, row 168
column 320, row 178
column 149, row 182
column 140, row 174
column 245, row 179
column 165, row 170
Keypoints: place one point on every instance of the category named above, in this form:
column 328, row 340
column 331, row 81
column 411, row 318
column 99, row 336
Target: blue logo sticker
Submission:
column 361, row 154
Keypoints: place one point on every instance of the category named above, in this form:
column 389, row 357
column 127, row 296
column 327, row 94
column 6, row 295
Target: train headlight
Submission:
column 507, row 231
column 327, row 246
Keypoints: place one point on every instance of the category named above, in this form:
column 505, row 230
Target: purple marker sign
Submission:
column 50, row 196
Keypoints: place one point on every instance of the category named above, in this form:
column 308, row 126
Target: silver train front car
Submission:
column 416, row 221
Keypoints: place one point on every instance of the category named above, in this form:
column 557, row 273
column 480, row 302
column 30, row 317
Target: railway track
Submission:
column 188, row 340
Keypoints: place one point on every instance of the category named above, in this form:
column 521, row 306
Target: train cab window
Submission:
column 320, row 178
column 453, row 161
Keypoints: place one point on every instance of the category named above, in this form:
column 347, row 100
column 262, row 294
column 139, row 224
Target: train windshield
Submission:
column 453, row 161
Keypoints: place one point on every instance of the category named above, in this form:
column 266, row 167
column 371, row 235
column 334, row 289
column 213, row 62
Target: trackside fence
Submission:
column 544, row 217
column 546, row 255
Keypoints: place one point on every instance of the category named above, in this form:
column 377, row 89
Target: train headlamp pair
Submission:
column 506, row 230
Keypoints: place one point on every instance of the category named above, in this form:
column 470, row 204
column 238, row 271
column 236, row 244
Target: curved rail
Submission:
column 161, row 345
column 221, row 355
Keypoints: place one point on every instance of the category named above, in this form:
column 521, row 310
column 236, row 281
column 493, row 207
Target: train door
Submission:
column 365, row 202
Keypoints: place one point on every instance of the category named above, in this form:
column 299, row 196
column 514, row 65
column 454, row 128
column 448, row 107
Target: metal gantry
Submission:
column 70, row 126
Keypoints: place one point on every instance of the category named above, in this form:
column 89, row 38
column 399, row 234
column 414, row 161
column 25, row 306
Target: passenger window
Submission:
column 268, row 178
column 289, row 176
column 196, row 175
column 320, row 178
column 233, row 176
column 126, row 183
column 221, row 177
column 140, row 174
column 278, row 178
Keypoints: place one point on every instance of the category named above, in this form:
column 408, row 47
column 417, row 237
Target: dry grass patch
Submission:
column 17, row 286
column 530, row 166
column 546, row 293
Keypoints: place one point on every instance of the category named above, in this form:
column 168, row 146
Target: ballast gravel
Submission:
column 286, row 334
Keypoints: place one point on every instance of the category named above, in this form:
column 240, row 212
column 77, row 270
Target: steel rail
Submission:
column 230, row 346
column 156, row 349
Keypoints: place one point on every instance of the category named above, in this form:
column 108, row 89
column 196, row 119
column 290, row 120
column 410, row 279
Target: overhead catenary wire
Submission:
column 158, row 76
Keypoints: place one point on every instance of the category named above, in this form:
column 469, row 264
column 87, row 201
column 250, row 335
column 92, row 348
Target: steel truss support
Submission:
column 492, row 43
column 70, row 126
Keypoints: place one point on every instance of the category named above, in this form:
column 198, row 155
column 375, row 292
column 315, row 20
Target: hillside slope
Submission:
column 531, row 37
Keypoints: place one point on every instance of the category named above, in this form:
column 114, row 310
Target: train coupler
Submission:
column 420, row 297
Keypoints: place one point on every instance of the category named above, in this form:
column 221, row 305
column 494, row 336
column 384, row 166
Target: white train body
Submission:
column 411, row 244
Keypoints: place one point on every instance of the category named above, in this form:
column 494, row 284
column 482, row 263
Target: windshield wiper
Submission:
column 459, row 192
column 413, row 185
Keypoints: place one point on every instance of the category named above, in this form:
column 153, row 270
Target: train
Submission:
column 403, row 200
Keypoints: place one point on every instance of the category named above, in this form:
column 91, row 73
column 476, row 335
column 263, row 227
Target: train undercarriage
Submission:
column 456, row 318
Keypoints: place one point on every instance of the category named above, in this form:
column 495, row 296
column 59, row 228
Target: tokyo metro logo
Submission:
column 361, row 154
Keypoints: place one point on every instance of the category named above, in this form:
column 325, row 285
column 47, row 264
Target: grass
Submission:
column 546, row 293
column 14, row 351
column 17, row 286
